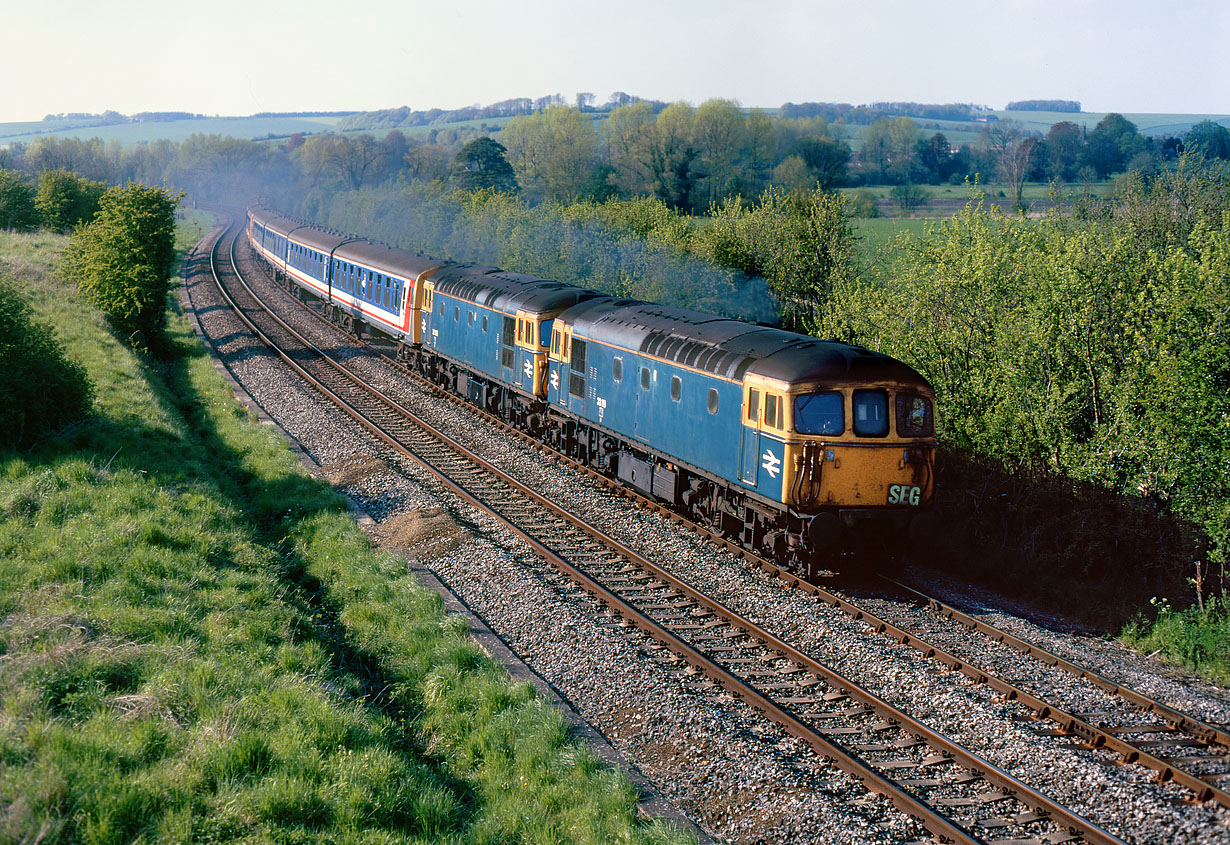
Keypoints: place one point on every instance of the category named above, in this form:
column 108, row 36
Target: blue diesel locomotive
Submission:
column 792, row 446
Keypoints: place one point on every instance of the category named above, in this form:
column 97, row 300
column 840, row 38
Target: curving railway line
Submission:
column 955, row 794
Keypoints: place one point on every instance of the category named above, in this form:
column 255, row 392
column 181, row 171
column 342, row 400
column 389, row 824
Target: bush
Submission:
column 42, row 388
column 17, row 210
column 65, row 199
column 122, row 261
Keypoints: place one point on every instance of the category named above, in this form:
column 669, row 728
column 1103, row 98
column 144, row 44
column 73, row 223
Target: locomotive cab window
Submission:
column 819, row 413
column 773, row 417
column 752, row 411
column 914, row 416
column 870, row 413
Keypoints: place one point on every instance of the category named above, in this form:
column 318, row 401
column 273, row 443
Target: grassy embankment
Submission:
column 197, row 644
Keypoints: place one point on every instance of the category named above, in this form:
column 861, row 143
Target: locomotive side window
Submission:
column 713, row 400
column 484, row 322
column 819, row 413
column 753, row 405
column 456, row 313
column 914, row 418
column 773, row 411
column 870, row 413
column 644, row 378
column 506, row 342
column 576, row 379
column 676, row 388
column 617, row 369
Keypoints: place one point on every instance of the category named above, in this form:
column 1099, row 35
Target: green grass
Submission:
column 172, row 130
column 199, row 645
column 1196, row 638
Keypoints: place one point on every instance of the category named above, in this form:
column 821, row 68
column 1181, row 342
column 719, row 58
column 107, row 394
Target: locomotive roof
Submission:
column 400, row 262
column 729, row 348
column 508, row 292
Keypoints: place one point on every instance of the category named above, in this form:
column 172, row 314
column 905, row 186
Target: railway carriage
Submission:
column 793, row 446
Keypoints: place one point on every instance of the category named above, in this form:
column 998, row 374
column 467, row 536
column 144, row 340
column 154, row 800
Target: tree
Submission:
column 1065, row 143
column 720, row 131
column 889, row 146
column 1112, row 144
column 122, row 260
column 551, row 152
column 17, row 210
column 1211, row 140
column 909, row 196
column 481, row 164
column 674, row 159
column 629, row 135
column 66, row 199
column 828, row 161
column 1015, row 162
column 935, row 156
column 793, row 174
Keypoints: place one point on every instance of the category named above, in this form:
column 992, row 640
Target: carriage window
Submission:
column 676, row 388
column 617, row 369
column 644, row 378
column 819, row 413
column 753, row 405
column 773, row 410
column 870, row 413
column 713, row 400
column 914, row 417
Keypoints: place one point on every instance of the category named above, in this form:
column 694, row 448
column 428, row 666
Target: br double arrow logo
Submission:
column 772, row 464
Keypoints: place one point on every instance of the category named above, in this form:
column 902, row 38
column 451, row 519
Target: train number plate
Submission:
column 904, row 494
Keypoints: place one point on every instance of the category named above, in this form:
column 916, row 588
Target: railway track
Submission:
column 1178, row 747
column 957, row 795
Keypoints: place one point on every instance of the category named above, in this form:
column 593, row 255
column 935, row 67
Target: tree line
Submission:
column 691, row 158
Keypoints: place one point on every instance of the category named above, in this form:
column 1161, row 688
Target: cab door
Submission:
column 749, row 451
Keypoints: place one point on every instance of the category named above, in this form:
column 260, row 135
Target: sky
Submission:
column 226, row 57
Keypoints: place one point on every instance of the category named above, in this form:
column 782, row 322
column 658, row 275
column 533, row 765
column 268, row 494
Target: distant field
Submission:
column 174, row 130
column 1148, row 124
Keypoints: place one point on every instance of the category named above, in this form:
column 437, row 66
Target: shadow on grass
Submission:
column 273, row 504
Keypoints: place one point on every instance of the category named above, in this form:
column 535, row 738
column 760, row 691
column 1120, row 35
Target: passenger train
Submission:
column 794, row 447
